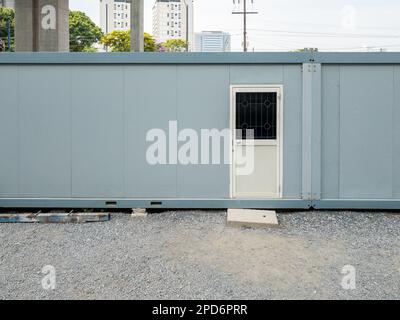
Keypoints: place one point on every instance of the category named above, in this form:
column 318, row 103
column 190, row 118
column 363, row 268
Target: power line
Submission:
column 312, row 24
column 328, row 34
column 320, row 34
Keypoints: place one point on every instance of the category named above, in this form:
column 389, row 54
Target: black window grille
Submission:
column 256, row 111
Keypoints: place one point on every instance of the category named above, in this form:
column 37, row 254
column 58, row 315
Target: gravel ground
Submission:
column 193, row 255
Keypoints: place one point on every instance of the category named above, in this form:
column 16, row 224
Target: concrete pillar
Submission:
column 137, row 30
column 42, row 25
column 24, row 25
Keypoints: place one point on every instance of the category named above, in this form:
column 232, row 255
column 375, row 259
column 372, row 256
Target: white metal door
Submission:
column 256, row 132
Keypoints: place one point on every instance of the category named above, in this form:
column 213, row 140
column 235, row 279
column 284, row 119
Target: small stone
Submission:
column 139, row 213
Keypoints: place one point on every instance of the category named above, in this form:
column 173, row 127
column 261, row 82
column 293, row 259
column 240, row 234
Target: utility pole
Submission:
column 189, row 17
column 245, row 12
column 137, row 13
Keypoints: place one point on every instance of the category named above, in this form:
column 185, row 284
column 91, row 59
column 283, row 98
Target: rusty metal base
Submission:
column 73, row 217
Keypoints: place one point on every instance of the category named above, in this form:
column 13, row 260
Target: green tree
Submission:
column 89, row 49
column 120, row 41
column 7, row 14
column 83, row 32
column 175, row 45
column 117, row 40
column 149, row 43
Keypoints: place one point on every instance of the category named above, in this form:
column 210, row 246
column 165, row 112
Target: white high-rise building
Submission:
column 212, row 41
column 7, row 3
column 173, row 19
column 115, row 15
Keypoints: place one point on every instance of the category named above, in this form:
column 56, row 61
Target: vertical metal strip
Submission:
column 316, row 134
column 307, row 131
column 312, row 131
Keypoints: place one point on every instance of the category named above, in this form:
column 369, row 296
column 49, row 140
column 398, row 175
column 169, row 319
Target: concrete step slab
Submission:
column 252, row 218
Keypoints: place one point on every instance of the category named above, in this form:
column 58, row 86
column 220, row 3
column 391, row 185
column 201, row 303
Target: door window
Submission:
column 256, row 111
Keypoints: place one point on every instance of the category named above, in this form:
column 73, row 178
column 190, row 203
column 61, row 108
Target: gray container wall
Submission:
column 79, row 131
column 361, row 131
column 73, row 128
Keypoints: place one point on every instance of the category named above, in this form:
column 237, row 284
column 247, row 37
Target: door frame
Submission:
column 250, row 88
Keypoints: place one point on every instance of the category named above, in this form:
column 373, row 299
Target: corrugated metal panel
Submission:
column 292, row 131
column 97, row 107
column 366, row 133
column 330, row 131
column 203, row 103
column 9, row 132
column 360, row 132
column 396, row 133
column 44, row 131
column 150, row 102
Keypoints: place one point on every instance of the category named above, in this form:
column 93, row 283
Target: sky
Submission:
column 285, row 25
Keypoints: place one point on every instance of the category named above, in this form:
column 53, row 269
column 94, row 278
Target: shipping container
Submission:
column 80, row 130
